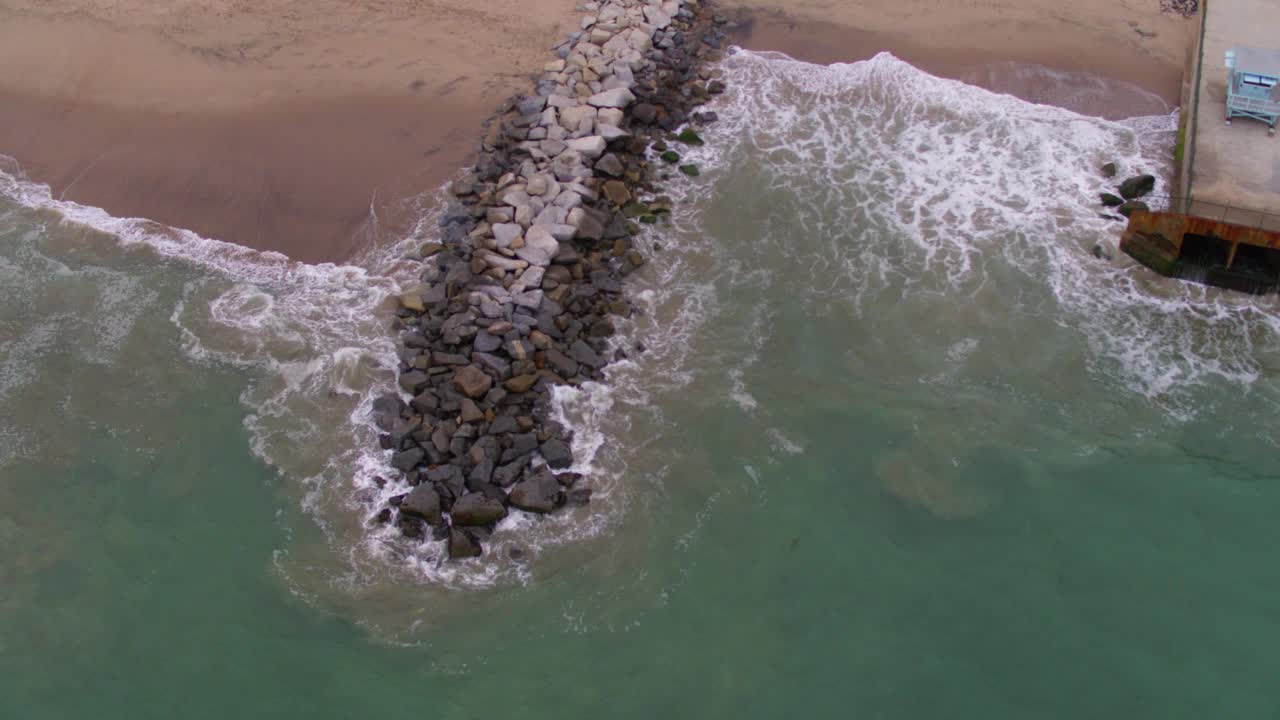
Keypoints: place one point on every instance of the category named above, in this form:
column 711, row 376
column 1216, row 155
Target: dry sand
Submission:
column 279, row 124
column 272, row 123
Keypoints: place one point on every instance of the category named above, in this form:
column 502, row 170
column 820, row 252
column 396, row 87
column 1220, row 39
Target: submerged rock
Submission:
column 1137, row 186
column 463, row 544
column 1128, row 208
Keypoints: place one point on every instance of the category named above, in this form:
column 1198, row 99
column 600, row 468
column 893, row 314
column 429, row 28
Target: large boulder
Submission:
column 556, row 452
column 472, row 381
column 423, row 503
column 477, row 509
column 407, row 460
column 1137, row 186
column 539, row 493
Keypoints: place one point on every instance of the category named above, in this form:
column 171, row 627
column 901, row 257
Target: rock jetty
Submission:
column 523, row 287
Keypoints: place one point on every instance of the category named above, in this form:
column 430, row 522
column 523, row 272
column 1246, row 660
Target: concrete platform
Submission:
column 1235, row 166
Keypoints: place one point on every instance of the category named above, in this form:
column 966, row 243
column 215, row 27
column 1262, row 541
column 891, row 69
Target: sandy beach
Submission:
column 288, row 124
column 1140, row 49
column 277, row 124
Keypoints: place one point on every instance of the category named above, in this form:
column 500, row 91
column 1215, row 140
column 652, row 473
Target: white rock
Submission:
column 530, row 278
column 548, row 117
column 516, row 197
column 551, row 215
column 504, row 233
column 656, row 17
column 554, row 66
column 552, row 147
column 530, row 299
column 613, row 82
column 609, row 116
column 616, row 98
column 573, row 118
column 524, row 215
column 568, row 200
column 495, row 215
column 562, row 231
column 609, row 132
column 537, row 185
column 495, row 260
column 590, row 147
column 539, row 246
column 640, row 40
column 560, row 101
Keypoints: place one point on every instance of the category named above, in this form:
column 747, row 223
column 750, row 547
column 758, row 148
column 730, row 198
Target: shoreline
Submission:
column 1121, row 66
column 273, row 125
column 289, row 131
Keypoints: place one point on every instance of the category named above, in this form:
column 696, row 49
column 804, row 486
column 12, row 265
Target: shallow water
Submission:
column 899, row 446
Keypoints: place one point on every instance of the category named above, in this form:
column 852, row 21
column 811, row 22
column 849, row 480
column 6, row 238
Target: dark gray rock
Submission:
column 477, row 509
column 480, row 475
column 557, row 453
column 523, row 444
column 644, row 113
column 423, row 502
column 564, row 365
column 583, row 353
column 495, row 364
column 1109, row 200
column 414, row 381
column 502, row 424
column 1109, row 170
column 408, row 459
column 486, row 343
column 507, row 474
column 539, row 493
column 1137, row 186
column 386, row 410
column 448, row 477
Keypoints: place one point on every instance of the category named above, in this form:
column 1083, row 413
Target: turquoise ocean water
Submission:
column 900, row 446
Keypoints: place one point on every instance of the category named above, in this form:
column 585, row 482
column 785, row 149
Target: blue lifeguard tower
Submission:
column 1251, row 85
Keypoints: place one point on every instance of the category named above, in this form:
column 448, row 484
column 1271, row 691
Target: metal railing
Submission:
column 1245, row 217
